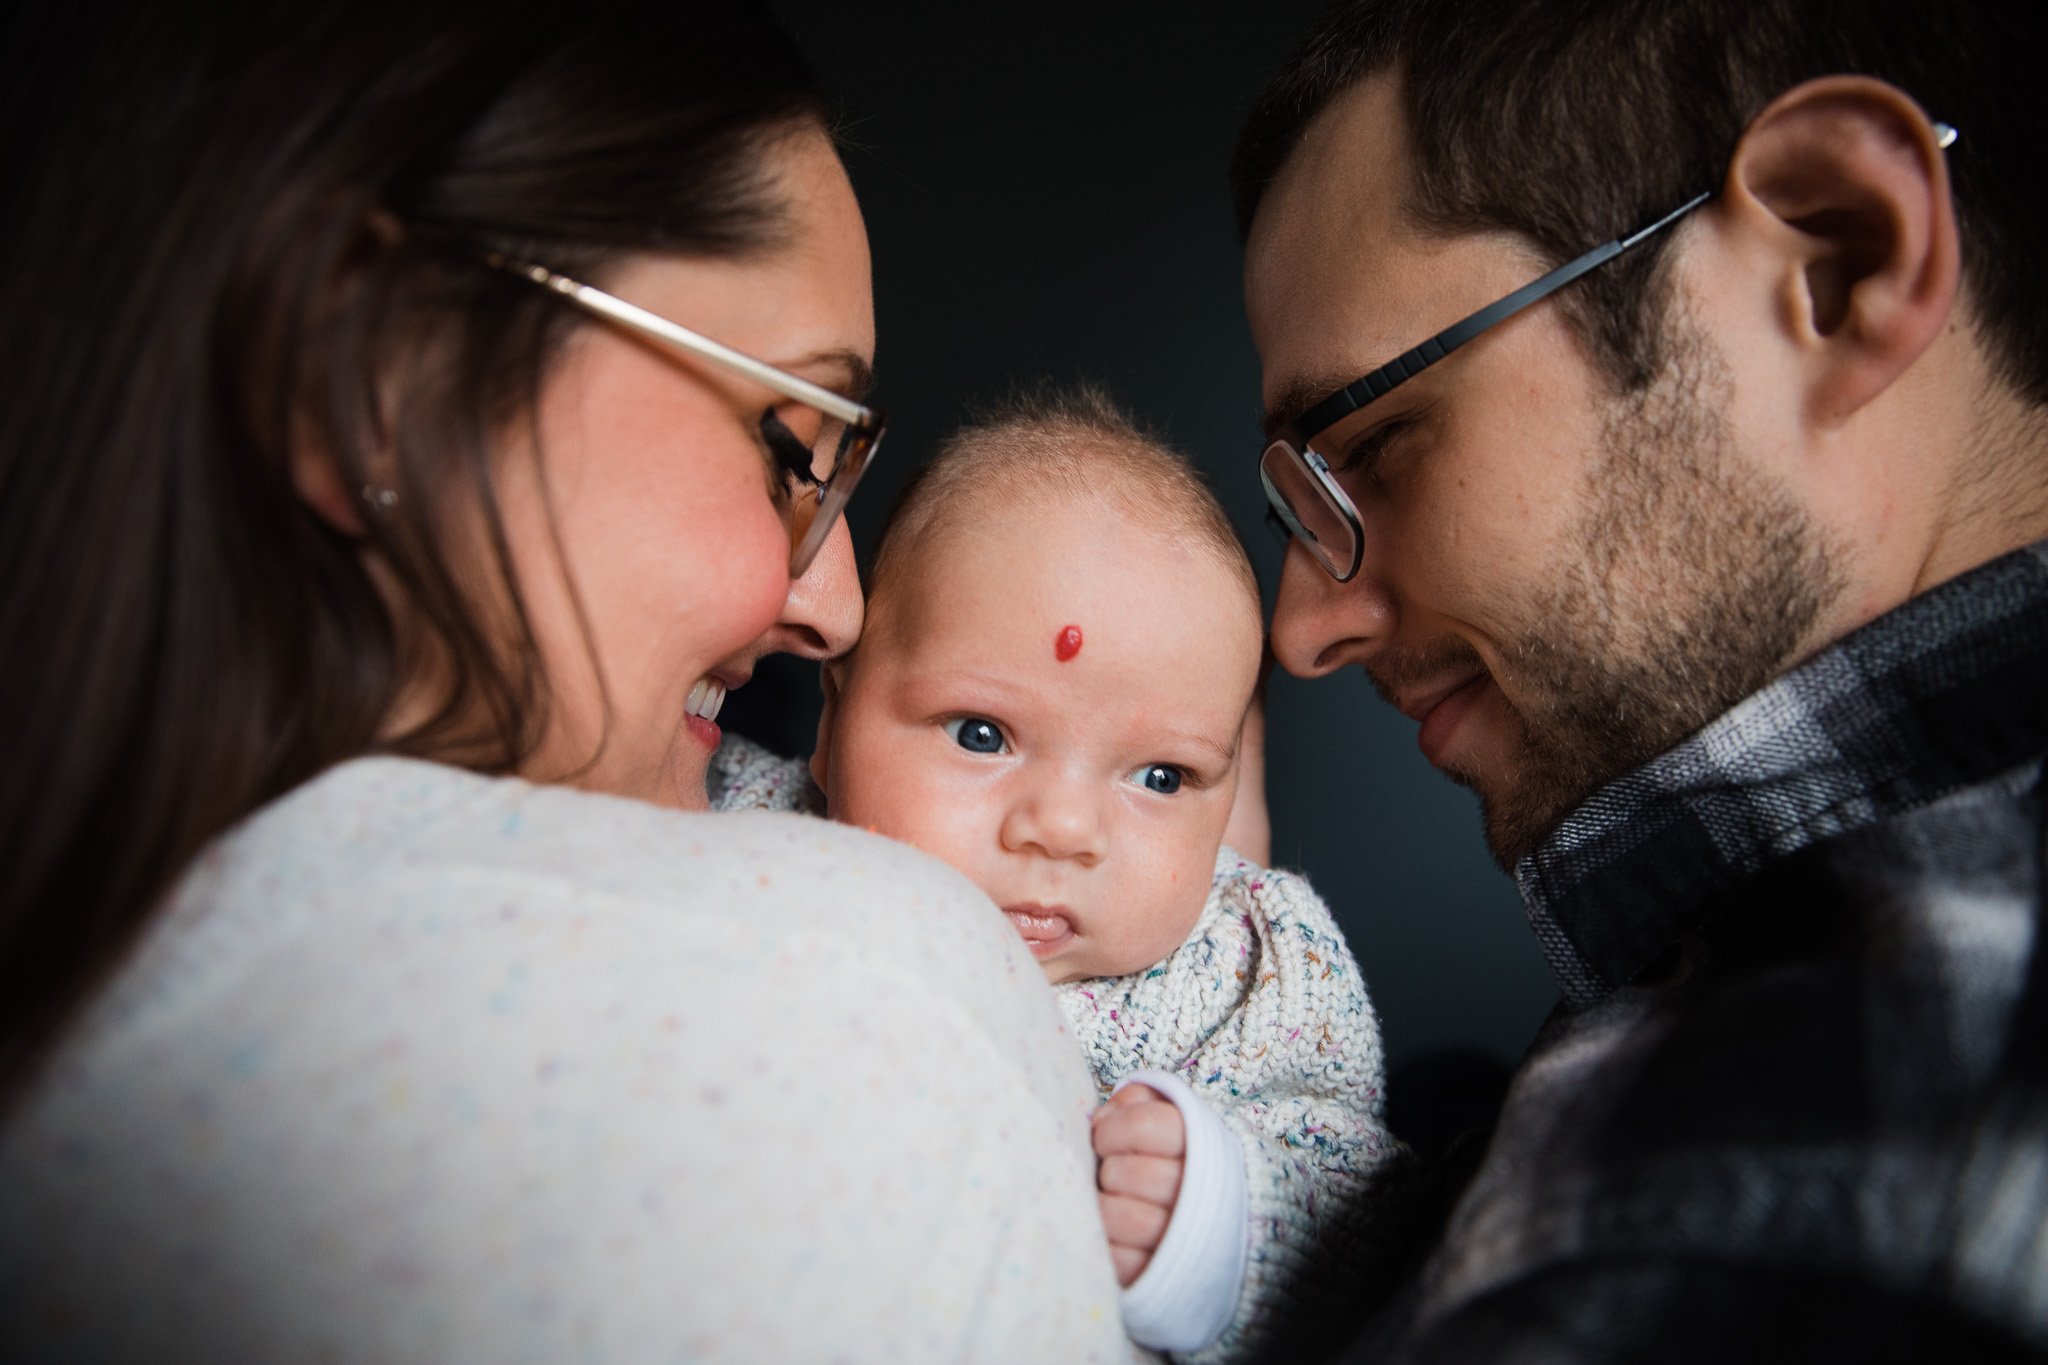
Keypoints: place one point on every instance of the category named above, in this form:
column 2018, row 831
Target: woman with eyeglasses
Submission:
column 417, row 420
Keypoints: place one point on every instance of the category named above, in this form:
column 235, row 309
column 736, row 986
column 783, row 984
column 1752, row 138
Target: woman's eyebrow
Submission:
column 855, row 378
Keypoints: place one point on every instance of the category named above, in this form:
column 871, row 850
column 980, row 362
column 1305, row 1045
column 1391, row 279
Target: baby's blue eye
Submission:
column 1163, row 778
column 976, row 735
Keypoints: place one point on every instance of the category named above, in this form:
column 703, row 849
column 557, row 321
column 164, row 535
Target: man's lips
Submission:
column 1440, row 710
column 1045, row 929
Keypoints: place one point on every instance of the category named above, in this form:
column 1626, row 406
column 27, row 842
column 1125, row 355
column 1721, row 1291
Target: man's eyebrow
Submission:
column 1222, row 755
column 1300, row 394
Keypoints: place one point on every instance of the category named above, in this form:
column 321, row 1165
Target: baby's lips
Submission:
column 1039, row 921
column 1041, row 925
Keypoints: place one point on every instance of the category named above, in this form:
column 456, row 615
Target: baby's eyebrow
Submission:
column 1223, row 754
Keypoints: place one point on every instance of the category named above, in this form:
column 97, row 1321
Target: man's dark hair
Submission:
column 1572, row 122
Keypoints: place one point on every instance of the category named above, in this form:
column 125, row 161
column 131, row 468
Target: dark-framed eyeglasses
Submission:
column 1307, row 499
column 848, row 440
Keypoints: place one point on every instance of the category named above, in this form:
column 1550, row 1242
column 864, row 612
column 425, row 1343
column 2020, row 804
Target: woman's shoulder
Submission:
column 410, row 1016
column 408, row 871
column 406, row 828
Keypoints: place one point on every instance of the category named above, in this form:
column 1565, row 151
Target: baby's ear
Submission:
column 830, row 677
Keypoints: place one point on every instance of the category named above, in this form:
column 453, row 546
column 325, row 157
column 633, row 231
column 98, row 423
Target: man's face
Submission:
column 1559, row 581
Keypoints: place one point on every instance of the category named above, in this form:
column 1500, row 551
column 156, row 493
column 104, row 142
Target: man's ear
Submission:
column 1848, row 175
column 832, row 676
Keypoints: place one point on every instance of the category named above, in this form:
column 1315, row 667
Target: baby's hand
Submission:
column 1140, row 1145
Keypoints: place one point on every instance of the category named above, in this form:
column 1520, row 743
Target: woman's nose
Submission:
column 1319, row 624
column 1056, row 817
column 821, row 618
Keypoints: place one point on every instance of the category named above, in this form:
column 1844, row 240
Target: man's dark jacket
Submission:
column 1795, row 1103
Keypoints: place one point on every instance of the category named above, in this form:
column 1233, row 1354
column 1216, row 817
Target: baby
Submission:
column 1063, row 639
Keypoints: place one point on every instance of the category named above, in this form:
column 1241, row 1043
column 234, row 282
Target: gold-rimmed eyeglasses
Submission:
column 851, row 433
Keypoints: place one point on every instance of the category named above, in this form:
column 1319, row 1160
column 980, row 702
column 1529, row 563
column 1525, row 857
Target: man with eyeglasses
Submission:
column 1657, row 396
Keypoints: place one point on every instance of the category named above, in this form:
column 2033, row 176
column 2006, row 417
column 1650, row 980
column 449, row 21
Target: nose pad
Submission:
column 1058, row 818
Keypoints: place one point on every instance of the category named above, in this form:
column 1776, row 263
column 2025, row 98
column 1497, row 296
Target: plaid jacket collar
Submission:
column 1947, row 690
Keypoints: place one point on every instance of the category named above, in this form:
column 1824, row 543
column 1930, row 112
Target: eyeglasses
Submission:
column 1305, row 498
column 1298, row 483
column 813, row 507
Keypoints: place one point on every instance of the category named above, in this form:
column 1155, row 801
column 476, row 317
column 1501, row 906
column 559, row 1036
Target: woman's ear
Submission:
column 316, row 478
column 319, row 484
column 1856, row 172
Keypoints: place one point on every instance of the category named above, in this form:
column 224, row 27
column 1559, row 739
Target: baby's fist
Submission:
column 1140, row 1147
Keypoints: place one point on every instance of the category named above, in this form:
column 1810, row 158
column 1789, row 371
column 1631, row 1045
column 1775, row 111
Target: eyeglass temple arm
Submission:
column 695, row 343
column 1457, row 335
column 1412, row 362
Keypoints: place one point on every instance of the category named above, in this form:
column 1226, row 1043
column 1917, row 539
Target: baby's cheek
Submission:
column 940, row 823
column 1174, row 911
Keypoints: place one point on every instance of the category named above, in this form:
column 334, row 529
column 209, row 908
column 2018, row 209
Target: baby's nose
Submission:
column 1058, row 817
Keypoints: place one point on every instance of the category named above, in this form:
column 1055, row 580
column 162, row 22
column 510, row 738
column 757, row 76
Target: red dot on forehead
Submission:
column 1067, row 643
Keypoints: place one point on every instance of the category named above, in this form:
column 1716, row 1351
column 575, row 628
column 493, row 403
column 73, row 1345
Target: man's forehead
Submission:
column 1328, row 251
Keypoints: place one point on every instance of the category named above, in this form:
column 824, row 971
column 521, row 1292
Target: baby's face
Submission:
column 1085, row 789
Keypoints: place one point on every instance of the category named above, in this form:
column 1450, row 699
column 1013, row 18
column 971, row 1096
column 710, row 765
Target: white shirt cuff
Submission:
column 1188, row 1292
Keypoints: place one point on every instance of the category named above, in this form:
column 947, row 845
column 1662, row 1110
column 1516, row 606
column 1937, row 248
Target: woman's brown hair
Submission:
column 235, row 229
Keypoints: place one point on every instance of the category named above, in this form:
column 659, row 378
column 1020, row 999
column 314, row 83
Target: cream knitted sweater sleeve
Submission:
column 1263, row 1011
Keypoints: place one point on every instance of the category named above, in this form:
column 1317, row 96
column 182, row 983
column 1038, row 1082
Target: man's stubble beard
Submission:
column 1697, row 580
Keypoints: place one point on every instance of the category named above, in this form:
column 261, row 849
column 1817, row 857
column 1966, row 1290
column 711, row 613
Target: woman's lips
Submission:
column 705, row 732
column 1045, row 929
column 701, row 707
column 1441, row 720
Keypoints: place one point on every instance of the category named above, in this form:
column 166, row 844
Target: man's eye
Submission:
column 976, row 735
column 792, row 456
column 1362, row 458
column 1163, row 778
column 1376, row 458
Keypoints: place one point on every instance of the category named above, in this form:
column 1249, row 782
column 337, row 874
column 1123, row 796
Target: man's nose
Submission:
column 1057, row 815
column 1321, row 625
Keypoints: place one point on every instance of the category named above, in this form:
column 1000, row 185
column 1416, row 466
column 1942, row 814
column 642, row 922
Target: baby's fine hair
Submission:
column 1054, row 442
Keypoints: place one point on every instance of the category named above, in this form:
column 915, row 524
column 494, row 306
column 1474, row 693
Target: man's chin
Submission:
column 1516, row 813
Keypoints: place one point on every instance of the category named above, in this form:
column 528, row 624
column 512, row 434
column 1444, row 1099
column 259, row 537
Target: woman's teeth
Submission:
column 705, row 698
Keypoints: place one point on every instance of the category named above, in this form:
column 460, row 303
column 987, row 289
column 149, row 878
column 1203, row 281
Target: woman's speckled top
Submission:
column 417, row 1065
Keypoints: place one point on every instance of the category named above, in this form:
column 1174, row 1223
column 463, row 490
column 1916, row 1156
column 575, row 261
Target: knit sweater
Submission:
column 1263, row 1011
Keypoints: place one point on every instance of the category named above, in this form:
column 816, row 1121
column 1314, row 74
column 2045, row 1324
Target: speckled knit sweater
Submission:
column 1263, row 1011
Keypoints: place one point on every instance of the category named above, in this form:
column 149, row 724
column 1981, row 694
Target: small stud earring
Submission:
column 378, row 496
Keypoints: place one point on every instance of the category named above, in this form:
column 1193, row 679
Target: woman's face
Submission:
column 649, row 547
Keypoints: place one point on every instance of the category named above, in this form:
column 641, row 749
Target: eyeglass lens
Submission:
column 814, row 510
column 1305, row 501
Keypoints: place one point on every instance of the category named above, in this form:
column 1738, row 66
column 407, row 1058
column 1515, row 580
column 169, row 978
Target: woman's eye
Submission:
column 976, row 735
column 792, row 456
column 1163, row 778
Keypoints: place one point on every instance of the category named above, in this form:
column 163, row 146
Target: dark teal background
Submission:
column 1046, row 192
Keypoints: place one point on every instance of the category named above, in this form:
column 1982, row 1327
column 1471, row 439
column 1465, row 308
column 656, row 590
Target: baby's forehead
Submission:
column 1062, row 567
